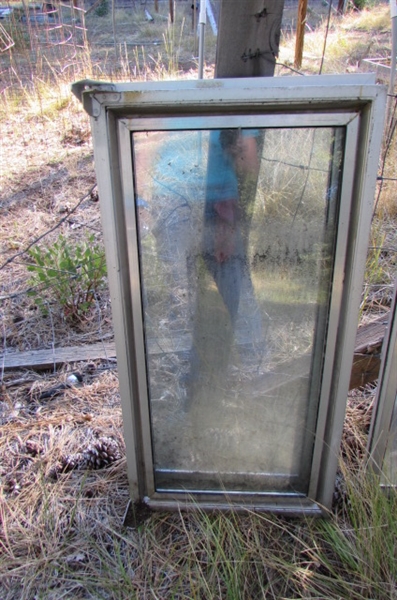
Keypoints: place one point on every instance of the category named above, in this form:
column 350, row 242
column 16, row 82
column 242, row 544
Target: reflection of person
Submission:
column 232, row 159
column 232, row 173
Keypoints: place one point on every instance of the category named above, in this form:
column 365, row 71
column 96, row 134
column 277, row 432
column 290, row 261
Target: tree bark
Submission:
column 248, row 38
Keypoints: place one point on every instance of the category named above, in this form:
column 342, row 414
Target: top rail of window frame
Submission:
column 264, row 93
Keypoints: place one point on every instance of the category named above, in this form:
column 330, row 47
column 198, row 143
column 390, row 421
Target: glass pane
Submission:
column 236, row 235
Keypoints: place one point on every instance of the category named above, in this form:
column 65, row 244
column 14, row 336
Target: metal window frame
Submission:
column 386, row 400
column 355, row 102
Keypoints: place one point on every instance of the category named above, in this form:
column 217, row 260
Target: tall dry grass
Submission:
column 64, row 537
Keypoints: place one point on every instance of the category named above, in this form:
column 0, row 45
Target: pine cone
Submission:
column 66, row 463
column 55, row 470
column 12, row 484
column 101, row 453
column 73, row 461
column 33, row 448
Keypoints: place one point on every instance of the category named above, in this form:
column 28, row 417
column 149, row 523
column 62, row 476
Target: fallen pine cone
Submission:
column 99, row 454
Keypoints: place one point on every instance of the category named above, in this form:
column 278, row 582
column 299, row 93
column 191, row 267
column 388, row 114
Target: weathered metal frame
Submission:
column 352, row 101
column 386, row 399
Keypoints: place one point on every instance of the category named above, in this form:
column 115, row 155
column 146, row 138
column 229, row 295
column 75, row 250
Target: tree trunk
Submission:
column 248, row 38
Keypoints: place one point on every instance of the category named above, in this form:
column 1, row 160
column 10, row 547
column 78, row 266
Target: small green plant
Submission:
column 71, row 276
column 103, row 9
column 359, row 4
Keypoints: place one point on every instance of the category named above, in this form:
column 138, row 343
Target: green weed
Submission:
column 103, row 9
column 70, row 276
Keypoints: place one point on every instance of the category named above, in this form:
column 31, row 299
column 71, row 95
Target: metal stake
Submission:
column 202, row 22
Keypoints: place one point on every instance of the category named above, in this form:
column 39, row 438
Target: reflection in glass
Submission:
column 236, row 234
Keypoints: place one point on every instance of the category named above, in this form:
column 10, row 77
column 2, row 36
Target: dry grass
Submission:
column 61, row 530
column 62, row 533
column 65, row 538
column 349, row 40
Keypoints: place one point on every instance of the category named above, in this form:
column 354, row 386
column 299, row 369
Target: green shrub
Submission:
column 103, row 9
column 70, row 276
column 360, row 4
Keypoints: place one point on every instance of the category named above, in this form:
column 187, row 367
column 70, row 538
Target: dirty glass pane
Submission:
column 236, row 238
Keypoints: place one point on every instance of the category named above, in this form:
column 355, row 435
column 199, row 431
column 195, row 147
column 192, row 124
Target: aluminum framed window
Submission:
column 235, row 276
column 382, row 445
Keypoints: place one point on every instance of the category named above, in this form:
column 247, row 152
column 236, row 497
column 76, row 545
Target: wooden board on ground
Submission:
column 365, row 370
column 41, row 360
column 366, row 362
